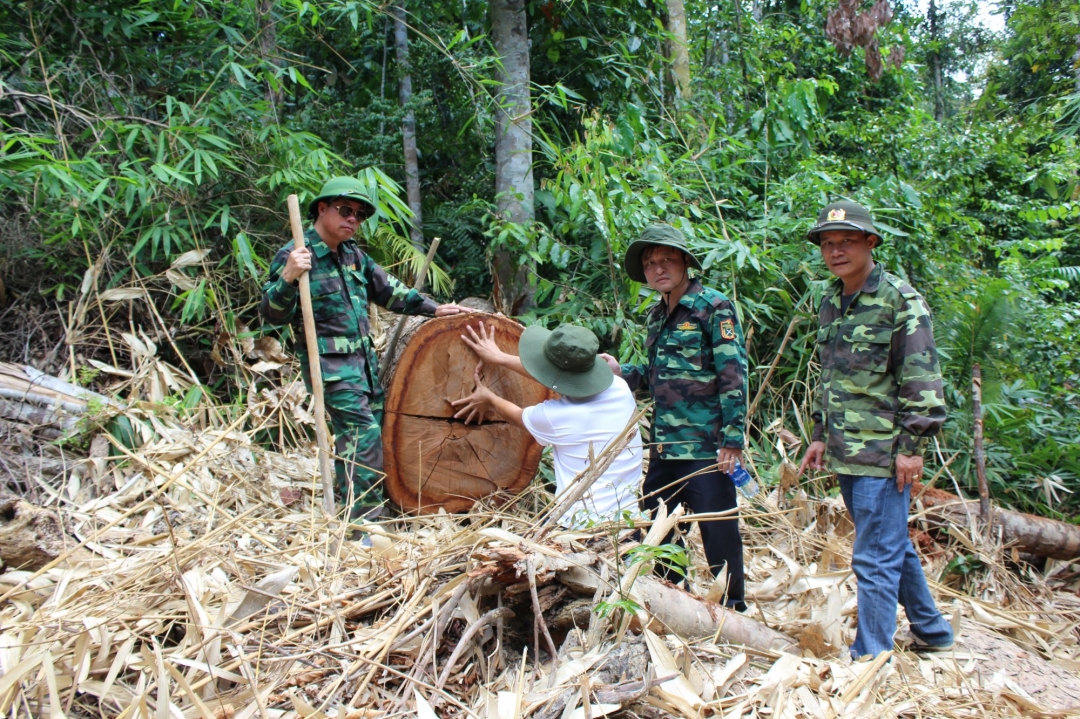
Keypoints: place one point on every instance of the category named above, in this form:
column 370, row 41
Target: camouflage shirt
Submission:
column 696, row 375
column 342, row 286
column 880, row 391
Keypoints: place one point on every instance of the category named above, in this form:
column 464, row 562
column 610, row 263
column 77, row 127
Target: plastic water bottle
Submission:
column 743, row 481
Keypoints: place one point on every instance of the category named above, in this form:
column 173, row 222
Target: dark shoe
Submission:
column 920, row 647
column 736, row 605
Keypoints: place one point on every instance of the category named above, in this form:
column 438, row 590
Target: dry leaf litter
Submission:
column 196, row 577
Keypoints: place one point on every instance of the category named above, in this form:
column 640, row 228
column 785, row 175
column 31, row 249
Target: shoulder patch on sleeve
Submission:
column 727, row 329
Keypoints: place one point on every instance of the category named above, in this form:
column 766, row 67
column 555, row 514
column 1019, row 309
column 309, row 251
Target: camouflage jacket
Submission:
column 880, row 391
column 696, row 375
column 343, row 284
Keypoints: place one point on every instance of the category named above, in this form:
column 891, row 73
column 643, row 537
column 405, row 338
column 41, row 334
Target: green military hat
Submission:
column 656, row 234
column 843, row 215
column 348, row 187
column 565, row 360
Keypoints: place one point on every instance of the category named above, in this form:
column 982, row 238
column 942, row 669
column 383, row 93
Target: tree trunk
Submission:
column 513, row 147
column 408, row 128
column 678, row 47
column 1028, row 533
column 935, row 63
column 433, row 460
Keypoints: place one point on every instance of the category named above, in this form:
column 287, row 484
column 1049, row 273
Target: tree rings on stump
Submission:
column 433, row 460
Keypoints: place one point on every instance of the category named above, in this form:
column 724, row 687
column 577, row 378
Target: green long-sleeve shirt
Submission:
column 343, row 284
column 880, row 392
column 695, row 373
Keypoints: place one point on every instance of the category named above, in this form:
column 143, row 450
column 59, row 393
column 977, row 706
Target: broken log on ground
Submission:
column 1028, row 533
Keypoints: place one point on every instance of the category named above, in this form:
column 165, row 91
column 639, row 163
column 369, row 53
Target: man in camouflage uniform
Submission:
column 879, row 402
column 695, row 372
column 344, row 280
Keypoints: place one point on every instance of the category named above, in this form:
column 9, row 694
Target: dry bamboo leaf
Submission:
column 423, row 709
column 117, row 294
column 596, row 710
column 268, row 349
column 190, row 258
column 181, row 280
column 677, row 693
column 268, row 588
column 264, row 367
column 304, row 709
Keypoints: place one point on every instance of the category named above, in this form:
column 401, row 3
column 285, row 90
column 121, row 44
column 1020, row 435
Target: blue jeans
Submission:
column 887, row 568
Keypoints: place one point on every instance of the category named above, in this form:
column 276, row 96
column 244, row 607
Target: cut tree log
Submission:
column 432, row 460
column 1029, row 533
column 691, row 617
column 668, row 608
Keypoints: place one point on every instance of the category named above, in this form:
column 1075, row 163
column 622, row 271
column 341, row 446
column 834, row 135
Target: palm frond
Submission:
column 397, row 256
column 1071, row 273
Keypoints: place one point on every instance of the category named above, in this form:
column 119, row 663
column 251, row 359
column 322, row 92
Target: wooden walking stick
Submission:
column 321, row 432
column 418, row 284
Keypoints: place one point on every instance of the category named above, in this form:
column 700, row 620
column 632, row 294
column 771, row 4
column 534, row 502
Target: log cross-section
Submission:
column 433, row 460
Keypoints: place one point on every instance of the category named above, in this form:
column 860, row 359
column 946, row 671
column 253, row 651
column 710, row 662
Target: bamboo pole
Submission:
column 980, row 453
column 322, row 434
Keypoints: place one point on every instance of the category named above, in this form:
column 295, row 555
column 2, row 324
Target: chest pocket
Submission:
column 326, row 298
column 683, row 350
column 866, row 348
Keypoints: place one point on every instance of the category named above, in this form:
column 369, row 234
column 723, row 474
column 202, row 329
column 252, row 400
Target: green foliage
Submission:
column 155, row 143
column 669, row 556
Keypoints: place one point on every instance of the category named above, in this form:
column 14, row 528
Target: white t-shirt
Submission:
column 569, row 426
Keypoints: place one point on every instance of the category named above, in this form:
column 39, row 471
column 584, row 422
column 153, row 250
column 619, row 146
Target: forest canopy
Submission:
column 146, row 151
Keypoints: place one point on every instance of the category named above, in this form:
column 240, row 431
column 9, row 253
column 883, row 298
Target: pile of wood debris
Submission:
column 196, row 577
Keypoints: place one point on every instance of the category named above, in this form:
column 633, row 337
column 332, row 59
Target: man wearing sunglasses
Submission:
column 879, row 401
column 344, row 281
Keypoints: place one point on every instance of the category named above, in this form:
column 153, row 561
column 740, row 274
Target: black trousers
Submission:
column 707, row 492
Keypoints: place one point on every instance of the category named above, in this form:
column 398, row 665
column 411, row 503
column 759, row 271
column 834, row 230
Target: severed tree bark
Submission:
column 678, row 48
column 513, row 147
column 692, row 617
column 30, row 536
column 433, row 460
column 1029, row 533
column 408, row 127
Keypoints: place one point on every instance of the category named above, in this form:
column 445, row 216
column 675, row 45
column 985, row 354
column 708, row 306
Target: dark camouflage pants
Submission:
column 356, row 421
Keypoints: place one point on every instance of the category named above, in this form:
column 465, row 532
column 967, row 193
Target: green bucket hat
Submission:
column 565, row 360
column 335, row 187
column 657, row 234
column 843, row 215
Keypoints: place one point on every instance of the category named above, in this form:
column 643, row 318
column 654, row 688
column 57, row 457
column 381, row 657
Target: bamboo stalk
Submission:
column 985, row 518
column 418, row 284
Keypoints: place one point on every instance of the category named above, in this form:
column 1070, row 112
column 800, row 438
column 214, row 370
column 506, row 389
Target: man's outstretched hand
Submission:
column 479, row 403
column 451, row 309
column 483, row 344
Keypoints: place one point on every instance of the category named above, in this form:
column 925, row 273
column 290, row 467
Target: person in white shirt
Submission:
column 594, row 408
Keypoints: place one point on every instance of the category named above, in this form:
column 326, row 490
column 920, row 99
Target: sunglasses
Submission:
column 347, row 211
